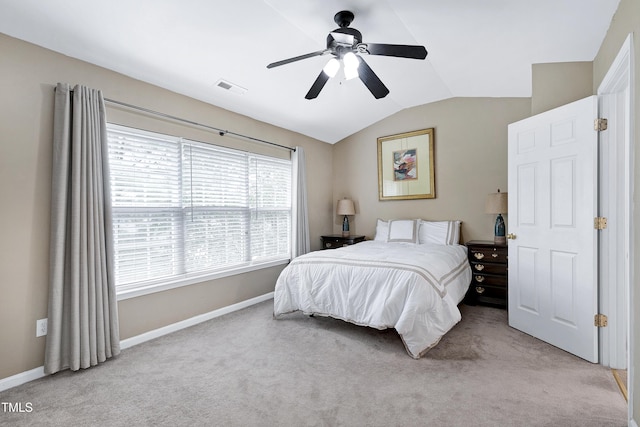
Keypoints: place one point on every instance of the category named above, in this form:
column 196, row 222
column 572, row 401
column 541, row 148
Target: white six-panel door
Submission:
column 552, row 205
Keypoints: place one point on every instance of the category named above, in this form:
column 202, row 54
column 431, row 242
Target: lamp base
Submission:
column 345, row 227
column 498, row 236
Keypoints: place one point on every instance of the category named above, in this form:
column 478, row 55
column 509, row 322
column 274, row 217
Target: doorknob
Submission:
column 511, row 236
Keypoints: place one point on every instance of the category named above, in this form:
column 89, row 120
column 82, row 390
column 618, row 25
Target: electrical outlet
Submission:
column 41, row 327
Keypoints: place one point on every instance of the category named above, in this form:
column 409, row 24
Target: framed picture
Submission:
column 405, row 166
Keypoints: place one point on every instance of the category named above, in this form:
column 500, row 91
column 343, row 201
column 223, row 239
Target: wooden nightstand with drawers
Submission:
column 489, row 269
column 334, row 241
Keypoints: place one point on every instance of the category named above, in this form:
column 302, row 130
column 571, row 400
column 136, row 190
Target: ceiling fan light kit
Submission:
column 346, row 46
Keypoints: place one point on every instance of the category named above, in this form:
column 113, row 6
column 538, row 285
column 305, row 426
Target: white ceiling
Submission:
column 476, row 49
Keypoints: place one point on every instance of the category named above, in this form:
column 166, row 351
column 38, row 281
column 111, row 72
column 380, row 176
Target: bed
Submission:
column 411, row 277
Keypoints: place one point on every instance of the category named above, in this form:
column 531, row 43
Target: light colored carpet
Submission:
column 247, row 369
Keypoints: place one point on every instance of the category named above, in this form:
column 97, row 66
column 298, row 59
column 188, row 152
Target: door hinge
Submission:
column 600, row 320
column 600, row 125
column 600, row 223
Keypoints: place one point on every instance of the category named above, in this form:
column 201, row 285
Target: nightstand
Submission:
column 334, row 241
column 489, row 269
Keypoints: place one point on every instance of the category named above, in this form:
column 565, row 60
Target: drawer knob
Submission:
column 478, row 255
column 479, row 267
column 479, row 279
column 494, row 255
column 479, row 289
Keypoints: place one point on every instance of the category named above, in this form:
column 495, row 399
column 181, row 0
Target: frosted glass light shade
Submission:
column 351, row 65
column 332, row 67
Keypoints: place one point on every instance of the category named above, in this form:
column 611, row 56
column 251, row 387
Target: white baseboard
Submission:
column 633, row 423
column 34, row 374
column 156, row 333
column 21, row 378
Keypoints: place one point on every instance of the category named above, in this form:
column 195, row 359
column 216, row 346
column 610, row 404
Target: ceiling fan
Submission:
column 345, row 44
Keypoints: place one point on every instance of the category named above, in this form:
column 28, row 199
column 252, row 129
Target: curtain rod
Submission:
column 221, row 132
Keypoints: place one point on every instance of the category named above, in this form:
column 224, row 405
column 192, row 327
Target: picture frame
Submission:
column 406, row 167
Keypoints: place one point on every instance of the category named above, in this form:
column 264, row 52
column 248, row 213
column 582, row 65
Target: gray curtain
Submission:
column 83, row 313
column 300, row 217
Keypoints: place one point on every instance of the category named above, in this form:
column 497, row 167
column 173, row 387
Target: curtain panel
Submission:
column 301, row 243
column 83, row 314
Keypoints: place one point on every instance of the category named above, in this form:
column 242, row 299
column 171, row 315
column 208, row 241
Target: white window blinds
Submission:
column 183, row 208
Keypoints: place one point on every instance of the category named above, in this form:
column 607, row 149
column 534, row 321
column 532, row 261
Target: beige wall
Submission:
column 470, row 162
column 626, row 21
column 559, row 83
column 28, row 75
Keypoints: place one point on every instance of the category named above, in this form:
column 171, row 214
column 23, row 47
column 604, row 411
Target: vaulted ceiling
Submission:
column 476, row 49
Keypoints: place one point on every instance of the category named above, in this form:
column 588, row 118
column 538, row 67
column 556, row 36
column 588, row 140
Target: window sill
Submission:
column 177, row 283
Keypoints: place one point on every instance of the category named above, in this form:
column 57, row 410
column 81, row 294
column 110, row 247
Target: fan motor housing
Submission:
column 346, row 37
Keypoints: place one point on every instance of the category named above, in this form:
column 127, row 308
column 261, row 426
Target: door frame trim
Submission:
column 619, row 78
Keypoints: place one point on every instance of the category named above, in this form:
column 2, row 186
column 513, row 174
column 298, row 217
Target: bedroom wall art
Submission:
column 406, row 166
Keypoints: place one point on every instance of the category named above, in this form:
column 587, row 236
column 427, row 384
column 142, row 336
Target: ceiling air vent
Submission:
column 227, row 85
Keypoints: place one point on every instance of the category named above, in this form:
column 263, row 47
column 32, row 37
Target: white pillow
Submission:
column 382, row 231
column 403, row 230
column 439, row 232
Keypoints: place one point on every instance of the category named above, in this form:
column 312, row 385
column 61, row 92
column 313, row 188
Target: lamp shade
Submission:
column 345, row 207
column 497, row 203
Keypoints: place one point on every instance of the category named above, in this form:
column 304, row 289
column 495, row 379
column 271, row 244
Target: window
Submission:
column 184, row 209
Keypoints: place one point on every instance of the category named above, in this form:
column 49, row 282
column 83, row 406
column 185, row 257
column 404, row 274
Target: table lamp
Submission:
column 345, row 207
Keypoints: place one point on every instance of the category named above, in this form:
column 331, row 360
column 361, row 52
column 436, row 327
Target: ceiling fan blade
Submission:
column 317, row 86
column 371, row 80
column 298, row 58
column 399, row 50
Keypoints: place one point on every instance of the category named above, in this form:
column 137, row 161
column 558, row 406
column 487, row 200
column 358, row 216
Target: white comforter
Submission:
column 412, row 288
